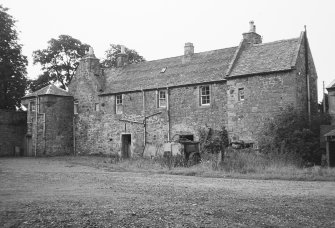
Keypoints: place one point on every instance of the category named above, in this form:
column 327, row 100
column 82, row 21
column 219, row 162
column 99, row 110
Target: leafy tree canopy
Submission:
column 114, row 49
column 59, row 61
column 12, row 64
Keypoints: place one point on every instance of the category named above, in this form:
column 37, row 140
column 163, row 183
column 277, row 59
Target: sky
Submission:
column 159, row 29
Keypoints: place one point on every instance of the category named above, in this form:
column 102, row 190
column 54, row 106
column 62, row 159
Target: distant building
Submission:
column 49, row 122
column 124, row 109
column 328, row 131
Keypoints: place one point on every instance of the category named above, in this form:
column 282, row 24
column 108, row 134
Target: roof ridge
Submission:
column 273, row 42
column 178, row 56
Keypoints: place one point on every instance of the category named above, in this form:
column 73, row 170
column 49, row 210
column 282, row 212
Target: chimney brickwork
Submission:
column 252, row 37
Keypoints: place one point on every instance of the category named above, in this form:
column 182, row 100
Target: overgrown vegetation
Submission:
column 289, row 150
column 291, row 133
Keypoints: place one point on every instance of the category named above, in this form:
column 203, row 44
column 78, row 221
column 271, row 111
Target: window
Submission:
column 32, row 107
column 97, row 107
column 205, row 97
column 119, row 103
column 241, row 94
column 162, row 98
column 186, row 138
column 75, row 107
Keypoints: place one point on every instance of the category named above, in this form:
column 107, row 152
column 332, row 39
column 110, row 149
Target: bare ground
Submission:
column 52, row 192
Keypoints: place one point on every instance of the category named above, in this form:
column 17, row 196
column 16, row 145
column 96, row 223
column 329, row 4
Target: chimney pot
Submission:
column 252, row 26
column 122, row 57
column 188, row 49
column 123, row 49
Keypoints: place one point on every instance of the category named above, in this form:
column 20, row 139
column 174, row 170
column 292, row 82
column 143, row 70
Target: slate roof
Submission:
column 331, row 133
column 267, row 57
column 204, row 67
column 331, row 85
column 49, row 90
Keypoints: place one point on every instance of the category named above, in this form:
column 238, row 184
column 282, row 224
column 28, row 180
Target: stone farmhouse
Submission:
column 127, row 109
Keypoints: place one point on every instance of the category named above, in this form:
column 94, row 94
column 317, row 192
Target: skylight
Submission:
column 163, row 69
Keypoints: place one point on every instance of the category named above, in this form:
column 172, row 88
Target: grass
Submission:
column 237, row 164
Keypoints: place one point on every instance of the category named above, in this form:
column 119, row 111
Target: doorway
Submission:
column 125, row 147
column 29, row 146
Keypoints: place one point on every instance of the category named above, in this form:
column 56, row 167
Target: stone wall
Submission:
column 331, row 102
column 101, row 131
column 52, row 133
column 301, row 82
column 264, row 97
column 58, row 112
column 13, row 127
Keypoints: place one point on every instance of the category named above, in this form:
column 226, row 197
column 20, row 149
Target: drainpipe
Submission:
column 307, row 79
column 74, row 136
column 36, row 127
column 168, row 111
column 44, row 134
column 144, row 121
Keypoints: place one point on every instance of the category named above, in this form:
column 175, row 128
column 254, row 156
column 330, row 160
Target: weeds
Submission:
column 245, row 163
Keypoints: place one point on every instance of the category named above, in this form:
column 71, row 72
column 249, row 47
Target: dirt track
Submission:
column 51, row 192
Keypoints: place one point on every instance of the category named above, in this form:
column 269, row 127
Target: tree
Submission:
column 59, row 61
column 41, row 81
column 12, row 64
column 114, row 49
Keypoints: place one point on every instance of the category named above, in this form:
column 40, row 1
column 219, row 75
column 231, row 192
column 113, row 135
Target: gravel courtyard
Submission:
column 52, row 192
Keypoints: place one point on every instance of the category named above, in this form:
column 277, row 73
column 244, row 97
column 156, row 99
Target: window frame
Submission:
column 119, row 104
column 32, row 106
column 206, row 96
column 160, row 99
column 75, row 107
column 240, row 94
column 97, row 107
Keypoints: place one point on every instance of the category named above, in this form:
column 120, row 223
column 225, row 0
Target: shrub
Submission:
column 213, row 141
column 290, row 132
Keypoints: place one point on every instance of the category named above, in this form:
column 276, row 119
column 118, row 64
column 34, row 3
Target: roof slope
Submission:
column 267, row 57
column 331, row 133
column 49, row 90
column 201, row 67
column 331, row 85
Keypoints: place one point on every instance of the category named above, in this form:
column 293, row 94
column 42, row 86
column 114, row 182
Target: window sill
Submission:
column 205, row 106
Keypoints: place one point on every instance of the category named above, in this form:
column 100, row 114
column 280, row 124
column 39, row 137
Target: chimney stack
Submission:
column 121, row 58
column 252, row 37
column 188, row 49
